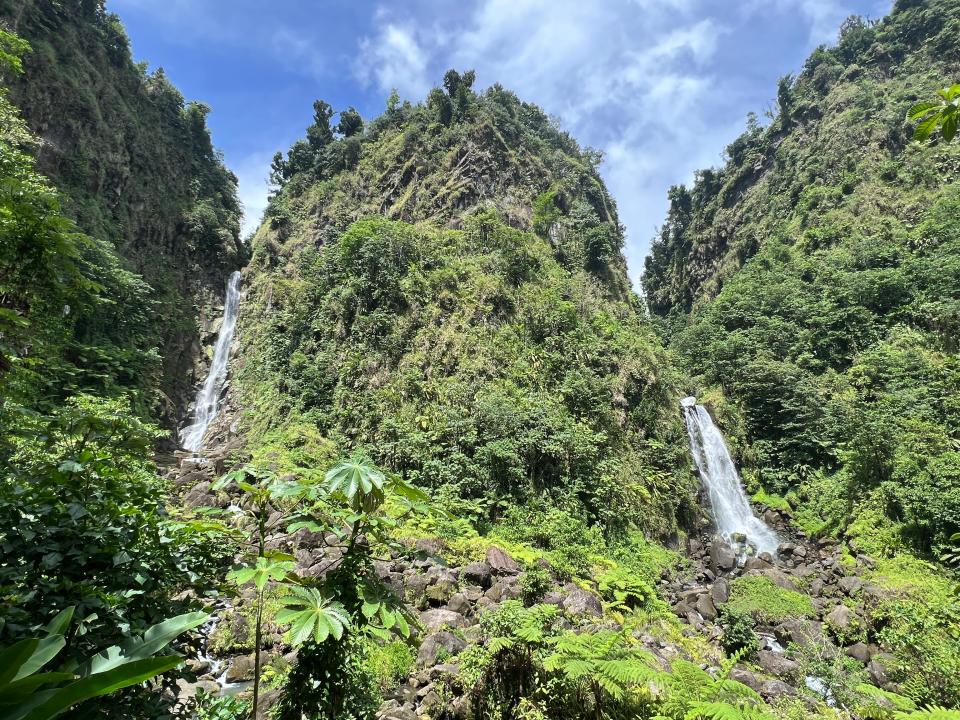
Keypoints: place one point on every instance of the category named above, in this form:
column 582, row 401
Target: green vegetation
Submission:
column 135, row 169
column 843, row 368
column 766, row 602
column 25, row 692
column 470, row 362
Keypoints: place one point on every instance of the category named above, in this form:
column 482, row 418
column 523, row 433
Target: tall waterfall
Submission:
column 731, row 509
column 208, row 397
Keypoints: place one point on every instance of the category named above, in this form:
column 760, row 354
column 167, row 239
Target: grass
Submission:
column 766, row 602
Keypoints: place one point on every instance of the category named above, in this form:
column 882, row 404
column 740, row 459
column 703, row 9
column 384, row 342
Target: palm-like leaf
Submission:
column 943, row 113
column 357, row 480
column 311, row 615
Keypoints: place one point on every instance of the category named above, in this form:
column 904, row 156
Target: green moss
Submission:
column 766, row 602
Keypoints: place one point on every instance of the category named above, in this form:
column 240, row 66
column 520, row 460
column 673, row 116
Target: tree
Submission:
column 942, row 113
column 319, row 134
column 350, row 123
column 785, row 100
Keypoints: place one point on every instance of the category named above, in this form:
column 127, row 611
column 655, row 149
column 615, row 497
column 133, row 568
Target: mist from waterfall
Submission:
column 731, row 509
column 208, row 397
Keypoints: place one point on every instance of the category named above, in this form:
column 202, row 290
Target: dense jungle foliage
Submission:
column 82, row 508
column 810, row 288
column 484, row 345
column 814, row 280
column 135, row 168
column 449, row 479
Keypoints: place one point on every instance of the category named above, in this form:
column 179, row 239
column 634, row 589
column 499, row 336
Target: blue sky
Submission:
column 661, row 86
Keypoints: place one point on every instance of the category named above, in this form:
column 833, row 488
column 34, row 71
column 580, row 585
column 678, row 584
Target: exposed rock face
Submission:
column 581, row 602
column 501, row 562
column 437, row 645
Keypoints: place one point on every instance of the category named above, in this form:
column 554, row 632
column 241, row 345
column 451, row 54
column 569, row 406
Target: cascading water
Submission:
column 208, row 397
column 731, row 509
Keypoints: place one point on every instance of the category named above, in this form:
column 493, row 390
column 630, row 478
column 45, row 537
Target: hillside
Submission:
column 445, row 289
column 810, row 289
column 135, row 167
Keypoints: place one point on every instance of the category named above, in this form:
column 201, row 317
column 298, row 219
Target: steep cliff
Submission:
column 134, row 165
column 445, row 289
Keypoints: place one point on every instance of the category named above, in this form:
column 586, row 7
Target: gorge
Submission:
column 433, row 467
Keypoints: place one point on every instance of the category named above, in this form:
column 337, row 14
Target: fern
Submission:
column 929, row 713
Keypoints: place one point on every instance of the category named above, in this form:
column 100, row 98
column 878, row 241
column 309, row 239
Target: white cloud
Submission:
column 394, row 59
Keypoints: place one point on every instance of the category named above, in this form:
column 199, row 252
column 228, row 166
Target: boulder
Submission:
column 392, row 710
column 775, row 689
column 582, row 602
column 434, row 620
column 779, row 578
column 478, row 573
column 722, row 556
column 850, row 584
column 441, row 591
column 776, row 664
column 439, row 646
column 429, row 546
column 842, row 620
column 501, row 562
column 859, row 651
column 720, row 592
column 459, row 603
column 706, row 607
column 744, row 676
column 799, row 632
column 505, row 589
column 879, row 669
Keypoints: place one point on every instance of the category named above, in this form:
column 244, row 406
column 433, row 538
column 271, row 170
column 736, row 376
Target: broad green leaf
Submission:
column 102, row 683
column 59, row 624
column 15, row 657
column 921, row 109
column 46, row 650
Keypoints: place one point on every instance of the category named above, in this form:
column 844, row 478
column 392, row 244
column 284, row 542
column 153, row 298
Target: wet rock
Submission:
column 479, row 573
column 776, row 664
column 722, row 556
column 434, row 620
column 580, row 602
column 439, row 646
column 501, row 562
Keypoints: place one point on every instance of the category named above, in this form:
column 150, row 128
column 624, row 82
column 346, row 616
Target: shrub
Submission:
column 738, row 634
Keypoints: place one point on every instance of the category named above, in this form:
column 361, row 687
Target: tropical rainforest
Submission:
column 445, row 470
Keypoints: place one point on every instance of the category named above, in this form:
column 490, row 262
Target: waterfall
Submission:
column 208, row 397
column 731, row 509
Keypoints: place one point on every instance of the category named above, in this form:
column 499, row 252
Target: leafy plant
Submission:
column 311, row 616
column 942, row 113
column 26, row 693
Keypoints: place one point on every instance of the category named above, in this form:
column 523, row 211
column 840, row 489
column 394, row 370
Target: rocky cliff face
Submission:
column 134, row 165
